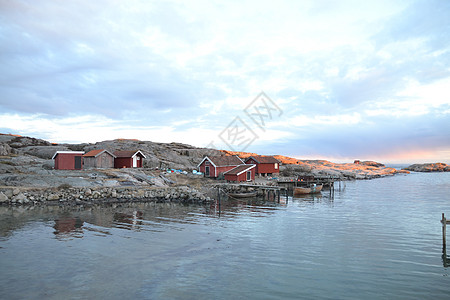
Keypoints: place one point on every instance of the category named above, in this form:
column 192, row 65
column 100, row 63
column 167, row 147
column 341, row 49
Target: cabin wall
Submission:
column 267, row 168
column 241, row 177
column 212, row 169
column 123, row 162
column 104, row 160
column 64, row 161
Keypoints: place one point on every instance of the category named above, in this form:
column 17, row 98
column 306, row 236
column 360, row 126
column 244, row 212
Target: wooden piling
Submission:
column 444, row 222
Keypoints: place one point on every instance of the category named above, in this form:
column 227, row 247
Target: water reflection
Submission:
column 74, row 222
column 445, row 257
column 68, row 227
column 129, row 221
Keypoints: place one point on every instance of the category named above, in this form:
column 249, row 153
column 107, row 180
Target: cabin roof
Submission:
column 95, row 153
column 223, row 160
column 66, row 152
column 261, row 159
column 128, row 153
column 239, row 170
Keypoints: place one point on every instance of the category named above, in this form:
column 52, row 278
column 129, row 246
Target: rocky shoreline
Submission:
column 27, row 176
column 89, row 195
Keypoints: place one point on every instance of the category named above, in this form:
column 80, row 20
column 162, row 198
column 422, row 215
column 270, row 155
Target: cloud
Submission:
column 347, row 75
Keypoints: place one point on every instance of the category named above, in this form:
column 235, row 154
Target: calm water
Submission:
column 377, row 239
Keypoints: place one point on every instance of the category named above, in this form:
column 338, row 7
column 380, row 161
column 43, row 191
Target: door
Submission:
column 135, row 161
column 207, row 171
column 249, row 175
column 77, row 162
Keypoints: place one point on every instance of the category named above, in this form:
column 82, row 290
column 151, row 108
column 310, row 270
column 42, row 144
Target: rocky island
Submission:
column 27, row 173
column 429, row 167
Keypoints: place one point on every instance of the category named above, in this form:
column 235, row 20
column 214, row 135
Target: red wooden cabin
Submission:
column 265, row 165
column 213, row 166
column 241, row 173
column 129, row 159
column 68, row 160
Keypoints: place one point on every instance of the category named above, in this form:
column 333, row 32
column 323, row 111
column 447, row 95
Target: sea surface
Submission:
column 375, row 239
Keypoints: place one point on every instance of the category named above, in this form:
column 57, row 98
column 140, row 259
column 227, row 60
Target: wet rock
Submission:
column 53, row 197
column 3, row 197
column 19, row 198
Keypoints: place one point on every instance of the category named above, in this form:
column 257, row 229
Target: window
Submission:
column 276, row 166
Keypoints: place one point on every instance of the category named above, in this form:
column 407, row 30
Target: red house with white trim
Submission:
column 68, row 160
column 265, row 165
column 241, row 173
column 128, row 159
column 213, row 166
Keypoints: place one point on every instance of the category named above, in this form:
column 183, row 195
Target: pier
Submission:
column 269, row 191
column 327, row 181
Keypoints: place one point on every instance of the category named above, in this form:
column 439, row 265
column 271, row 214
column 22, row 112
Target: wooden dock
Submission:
column 269, row 191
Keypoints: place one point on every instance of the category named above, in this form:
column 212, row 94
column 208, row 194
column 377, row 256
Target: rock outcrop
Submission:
column 429, row 167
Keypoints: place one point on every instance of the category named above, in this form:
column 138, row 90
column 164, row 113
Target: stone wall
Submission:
column 70, row 195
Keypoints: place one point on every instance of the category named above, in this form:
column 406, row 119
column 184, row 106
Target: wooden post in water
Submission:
column 218, row 193
column 444, row 229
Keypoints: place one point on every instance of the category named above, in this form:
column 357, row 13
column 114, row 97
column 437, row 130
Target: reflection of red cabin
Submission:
column 241, row 173
column 213, row 166
column 265, row 165
column 68, row 160
column 128, row 159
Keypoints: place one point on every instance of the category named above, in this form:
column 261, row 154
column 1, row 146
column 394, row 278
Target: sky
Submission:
column 338, row 80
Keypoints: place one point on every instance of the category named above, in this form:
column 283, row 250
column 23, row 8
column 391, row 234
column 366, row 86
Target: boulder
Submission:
column 5, row 149
column 53, row 197
column 3, row 197
column 19, row 198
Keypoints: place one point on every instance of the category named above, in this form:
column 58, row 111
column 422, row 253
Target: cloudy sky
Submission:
column 341, row 79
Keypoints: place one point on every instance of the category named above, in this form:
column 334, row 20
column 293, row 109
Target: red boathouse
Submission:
column 241, row 173
column 214, row 166
column 265, row 165
column 129, row 159
column 68, row 160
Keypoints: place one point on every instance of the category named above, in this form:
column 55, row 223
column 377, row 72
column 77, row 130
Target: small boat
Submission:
column 313, row 189
column 242, row 195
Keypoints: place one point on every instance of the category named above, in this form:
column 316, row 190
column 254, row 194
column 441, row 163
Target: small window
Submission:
column 139, row 158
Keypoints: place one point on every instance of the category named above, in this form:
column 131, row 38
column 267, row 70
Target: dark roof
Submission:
column 264, row 159
column 224, row 160
column 126, row 153
column 239, row 169
column 95, row 153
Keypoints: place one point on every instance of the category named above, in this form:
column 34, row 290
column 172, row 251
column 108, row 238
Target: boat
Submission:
column 242, row 195
column 313, row 189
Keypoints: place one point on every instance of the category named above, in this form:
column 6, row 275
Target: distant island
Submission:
column 428, row 167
